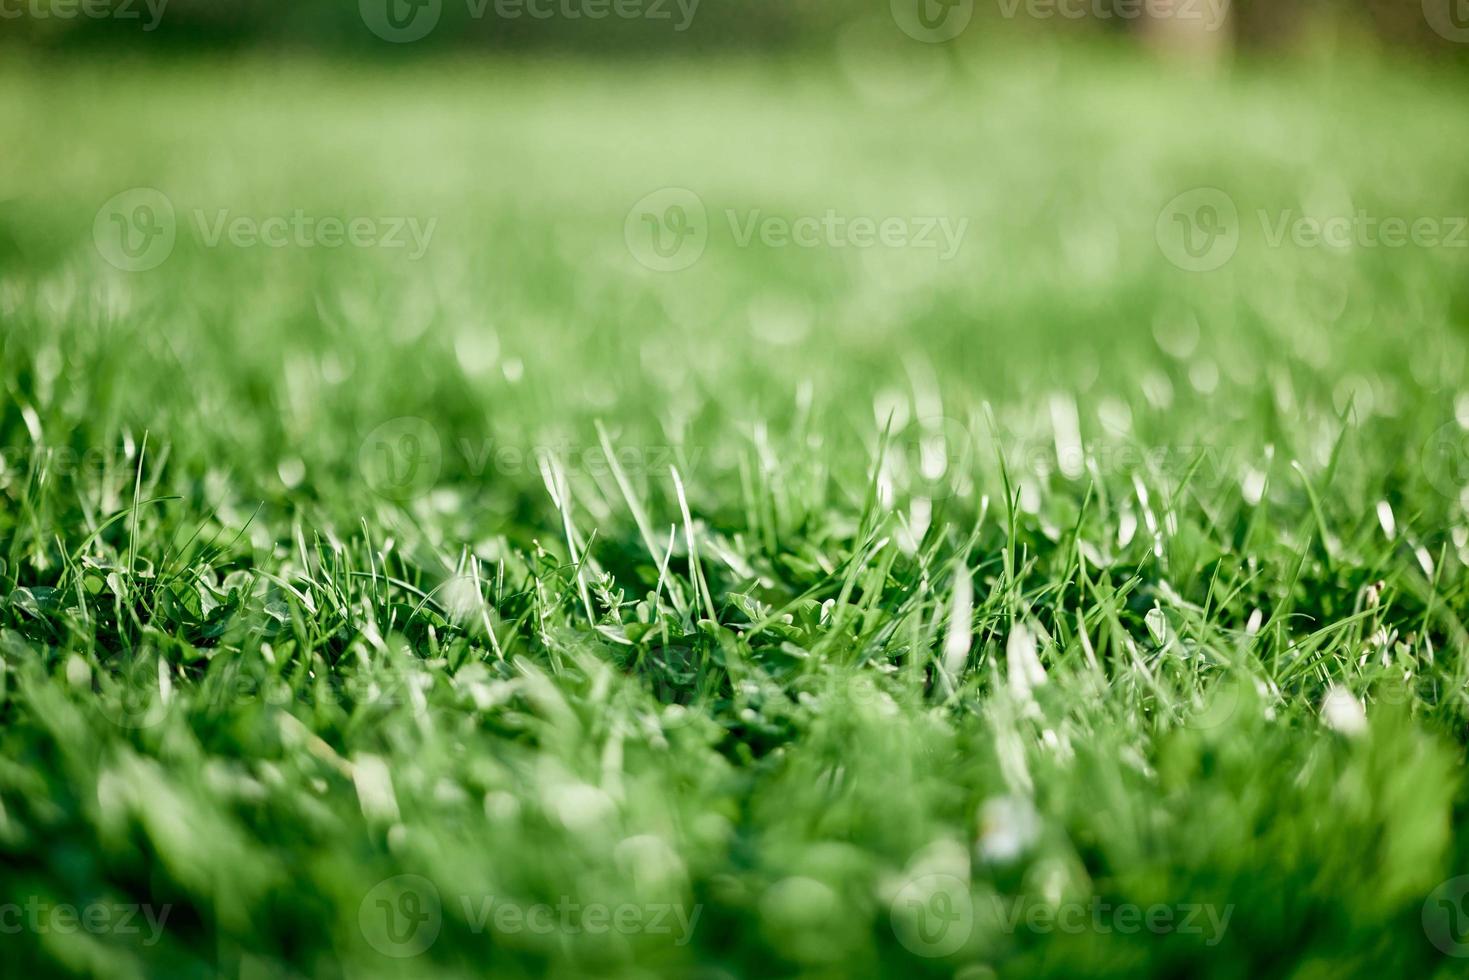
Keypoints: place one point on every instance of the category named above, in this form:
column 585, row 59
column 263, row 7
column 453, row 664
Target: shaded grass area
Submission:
column 820, row 610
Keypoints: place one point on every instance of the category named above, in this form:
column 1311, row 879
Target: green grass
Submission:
column 930, row 600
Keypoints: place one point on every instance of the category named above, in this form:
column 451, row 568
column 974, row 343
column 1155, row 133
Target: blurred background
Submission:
column 688, row 26
column 528, row 146
column 1063, row 144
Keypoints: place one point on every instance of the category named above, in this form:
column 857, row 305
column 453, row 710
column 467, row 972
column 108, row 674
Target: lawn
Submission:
column 994, row 514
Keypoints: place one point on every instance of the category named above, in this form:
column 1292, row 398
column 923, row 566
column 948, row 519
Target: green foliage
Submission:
column 1026, row 587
